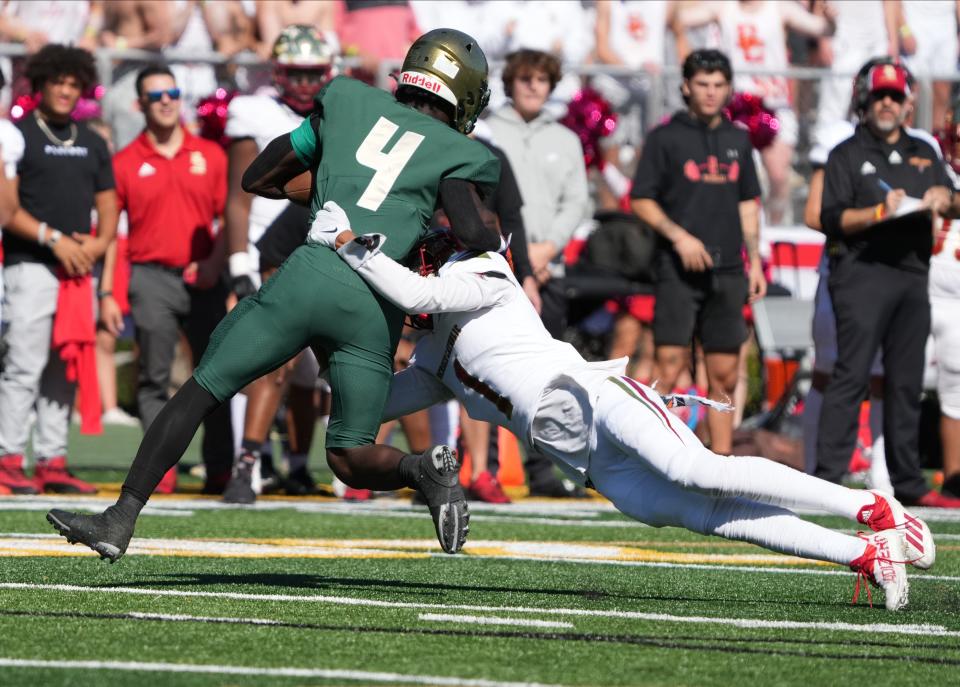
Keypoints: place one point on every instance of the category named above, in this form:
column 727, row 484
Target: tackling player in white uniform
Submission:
column 489, row 349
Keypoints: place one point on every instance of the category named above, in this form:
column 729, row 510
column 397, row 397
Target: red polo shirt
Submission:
column 171, row 202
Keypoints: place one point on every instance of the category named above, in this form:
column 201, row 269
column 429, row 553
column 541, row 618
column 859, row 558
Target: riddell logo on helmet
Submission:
column 421, row 80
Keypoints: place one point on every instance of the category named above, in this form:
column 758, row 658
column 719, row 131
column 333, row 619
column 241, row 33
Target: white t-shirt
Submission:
column 62, row 20
column 262, row 118
column 638, row 31
column 756, row 39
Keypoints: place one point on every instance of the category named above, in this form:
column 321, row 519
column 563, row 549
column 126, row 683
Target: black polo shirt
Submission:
column 57, row 184
column 699, row 176
column 854, row 172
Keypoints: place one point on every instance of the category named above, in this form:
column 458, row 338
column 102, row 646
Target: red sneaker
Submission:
column 168, row 484
column 886, row 513
column 486, row 488
column 934, row 499
column 12, row 476
column 352, row 494
column 51, row 474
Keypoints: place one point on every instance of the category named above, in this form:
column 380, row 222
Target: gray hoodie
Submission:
column 547, row 159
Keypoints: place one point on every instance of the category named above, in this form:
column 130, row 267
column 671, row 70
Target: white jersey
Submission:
column 753, row 40
column 262, row 118
column 491, row 352
column 11, row 147
column 638, row 31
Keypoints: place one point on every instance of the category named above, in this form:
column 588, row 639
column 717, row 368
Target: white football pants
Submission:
column 654, row 469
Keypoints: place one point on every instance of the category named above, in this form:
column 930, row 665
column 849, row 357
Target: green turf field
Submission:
column 317, row 591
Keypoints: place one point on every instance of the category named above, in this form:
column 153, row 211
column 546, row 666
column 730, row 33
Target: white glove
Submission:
column 328, row 224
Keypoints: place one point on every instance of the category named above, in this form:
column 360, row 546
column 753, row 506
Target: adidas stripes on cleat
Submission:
column 886, row 513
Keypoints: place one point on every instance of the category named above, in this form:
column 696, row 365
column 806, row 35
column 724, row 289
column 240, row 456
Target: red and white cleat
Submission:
column 882, row 565
column 886, row 513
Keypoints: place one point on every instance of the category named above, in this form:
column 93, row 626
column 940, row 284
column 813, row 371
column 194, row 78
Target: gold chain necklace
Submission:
column 49, row 134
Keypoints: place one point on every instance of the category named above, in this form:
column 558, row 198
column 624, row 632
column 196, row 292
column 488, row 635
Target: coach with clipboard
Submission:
column 881, row 189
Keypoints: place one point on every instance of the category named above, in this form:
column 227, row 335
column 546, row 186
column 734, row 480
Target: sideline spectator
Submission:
column 133, row 24
column 697, row 187
column 173, row 186
column 631, row 34
column 48, row 256
column 754, row 35
column 377, row 31
column 547, row 159
column 196, row 80
column 879, row 241
column 865, row 28
column 928, row 36
column 35, row 24
column 273, row 16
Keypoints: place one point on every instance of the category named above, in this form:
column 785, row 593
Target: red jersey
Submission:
column 171, row 202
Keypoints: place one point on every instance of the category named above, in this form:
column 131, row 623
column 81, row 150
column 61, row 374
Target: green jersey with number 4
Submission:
column 383, row 162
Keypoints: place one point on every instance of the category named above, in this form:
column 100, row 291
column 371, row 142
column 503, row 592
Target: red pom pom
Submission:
column 747, row 111
column 591, row 117
column 212, row 116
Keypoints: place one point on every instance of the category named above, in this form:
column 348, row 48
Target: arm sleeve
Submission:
column 838, row 193
column 648, row 179
column 507, row 203
column 460, row 202
column 749, row 183
column 460, row 291
column 411, row 390
column 305, row 139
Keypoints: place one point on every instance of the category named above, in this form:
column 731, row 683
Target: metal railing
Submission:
column 661, row 83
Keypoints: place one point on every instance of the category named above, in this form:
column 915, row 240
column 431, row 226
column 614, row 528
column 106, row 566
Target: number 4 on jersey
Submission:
column 387, row 166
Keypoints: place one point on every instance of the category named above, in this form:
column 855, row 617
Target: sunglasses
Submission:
column 157, row 96
column 895, row 96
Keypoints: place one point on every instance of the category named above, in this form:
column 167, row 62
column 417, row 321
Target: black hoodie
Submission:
column 699, row 176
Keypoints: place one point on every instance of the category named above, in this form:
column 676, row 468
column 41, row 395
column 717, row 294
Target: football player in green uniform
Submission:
column 394, row 160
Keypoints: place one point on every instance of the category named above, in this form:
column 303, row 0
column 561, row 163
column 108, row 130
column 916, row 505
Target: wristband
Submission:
column 54, row 236
column 42, row 234
column 239, row 264
column 104, row 294
column 879, row 212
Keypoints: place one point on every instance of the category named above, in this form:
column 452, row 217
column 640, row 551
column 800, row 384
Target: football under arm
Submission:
column 411, row 390
column 272, row 169
column 461, row 291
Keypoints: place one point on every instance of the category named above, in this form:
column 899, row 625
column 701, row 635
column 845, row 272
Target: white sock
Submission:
column 238, row 413
column 811, row 425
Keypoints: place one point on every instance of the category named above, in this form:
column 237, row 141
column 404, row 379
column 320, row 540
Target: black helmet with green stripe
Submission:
column 449, row 64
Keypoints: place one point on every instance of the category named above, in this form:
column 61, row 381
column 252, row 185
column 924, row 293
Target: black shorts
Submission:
column 284, row 235
column 708, row 307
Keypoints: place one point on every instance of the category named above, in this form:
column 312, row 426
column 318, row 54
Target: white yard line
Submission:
column 492, row 620
column 326, row 673
column 861, row 628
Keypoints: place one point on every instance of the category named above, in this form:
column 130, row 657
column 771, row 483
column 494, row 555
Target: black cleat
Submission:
column 107, row 533
column 300, row 483
column 240, row 487
column 439, row 484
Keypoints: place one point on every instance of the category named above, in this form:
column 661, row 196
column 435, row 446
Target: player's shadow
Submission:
column 293, row 582
column 319, row 583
